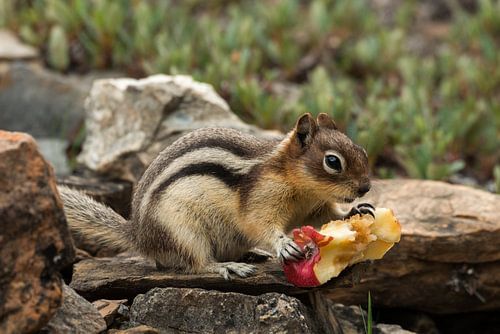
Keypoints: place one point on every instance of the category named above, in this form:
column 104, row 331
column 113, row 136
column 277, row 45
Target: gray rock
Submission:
column 76, row 315
column 40, row 102
column 54, row 150
column 44, row 103
column 173, row 310
column 390, row 329
column 11, row 48
column 352, row 320
column 125, row 277
column 35, row 243
column 130, row 121
column 339, row 318
column 415, row 321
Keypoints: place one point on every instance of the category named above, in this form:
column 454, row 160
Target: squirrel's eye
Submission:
column 333, row 162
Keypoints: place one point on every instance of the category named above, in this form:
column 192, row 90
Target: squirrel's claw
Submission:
column 289, row 251
column 361, row 209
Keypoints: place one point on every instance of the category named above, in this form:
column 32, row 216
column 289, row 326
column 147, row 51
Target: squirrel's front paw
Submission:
column 288, row 250
column 361, row 209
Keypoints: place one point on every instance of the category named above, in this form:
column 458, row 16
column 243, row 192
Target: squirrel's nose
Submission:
column 364, row 188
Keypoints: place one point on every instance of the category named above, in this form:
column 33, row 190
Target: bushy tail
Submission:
column 94, row 221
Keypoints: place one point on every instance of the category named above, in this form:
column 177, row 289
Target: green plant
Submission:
column 368, row 323
column 58, row 48
column 496, row 176
column 426, row 113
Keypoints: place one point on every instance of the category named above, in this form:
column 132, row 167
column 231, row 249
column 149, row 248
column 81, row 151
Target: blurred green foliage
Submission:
column 424, row 112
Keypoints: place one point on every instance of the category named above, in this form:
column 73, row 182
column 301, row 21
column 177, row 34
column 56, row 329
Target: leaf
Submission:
column 58, row 56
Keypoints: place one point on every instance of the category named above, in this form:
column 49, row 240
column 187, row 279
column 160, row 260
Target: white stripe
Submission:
column 202, row 155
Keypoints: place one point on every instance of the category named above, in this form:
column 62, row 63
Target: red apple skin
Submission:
column 302, row 273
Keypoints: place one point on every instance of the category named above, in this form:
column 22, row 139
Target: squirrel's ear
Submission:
column 326, row 121
column 305, row 129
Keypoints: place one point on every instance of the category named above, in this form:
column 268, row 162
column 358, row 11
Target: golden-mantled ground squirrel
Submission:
column 215, row 193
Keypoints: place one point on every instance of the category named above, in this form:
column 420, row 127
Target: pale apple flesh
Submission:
column 340, row 244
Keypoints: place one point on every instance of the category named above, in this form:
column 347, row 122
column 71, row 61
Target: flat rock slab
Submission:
column 442, row 222
column 35, row 243
column 435, row 287
column 126, row 277
column 428, row 286
column 447, row 261
column 174, row 310
column 13, row 49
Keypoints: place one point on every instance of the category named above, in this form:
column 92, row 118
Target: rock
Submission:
column 111, row 309
column 350, row 318
column 34, row 238
column 448, row 259
column 76, row 315
column 13, row 49
column 130, row 121
column 201, row 311
column 43, row 103
column 339, row 318
column 390, row 329
column 54, row 150
column 434, row 287
column 442, row 222
column 477, row 322
column 126, row 277
column 142, row 329
column 415, row 321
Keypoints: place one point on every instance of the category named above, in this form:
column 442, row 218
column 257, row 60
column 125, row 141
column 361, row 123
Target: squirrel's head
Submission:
column 326, row 161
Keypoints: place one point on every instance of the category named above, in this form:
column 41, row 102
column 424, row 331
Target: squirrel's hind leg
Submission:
column 228, row 270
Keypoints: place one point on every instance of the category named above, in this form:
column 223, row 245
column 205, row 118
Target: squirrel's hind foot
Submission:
column 230, row 269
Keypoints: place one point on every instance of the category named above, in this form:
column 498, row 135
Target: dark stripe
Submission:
column 227, row 144
column 221, row 143
column 248, row 184
column 220, row 172
column 241, row 145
